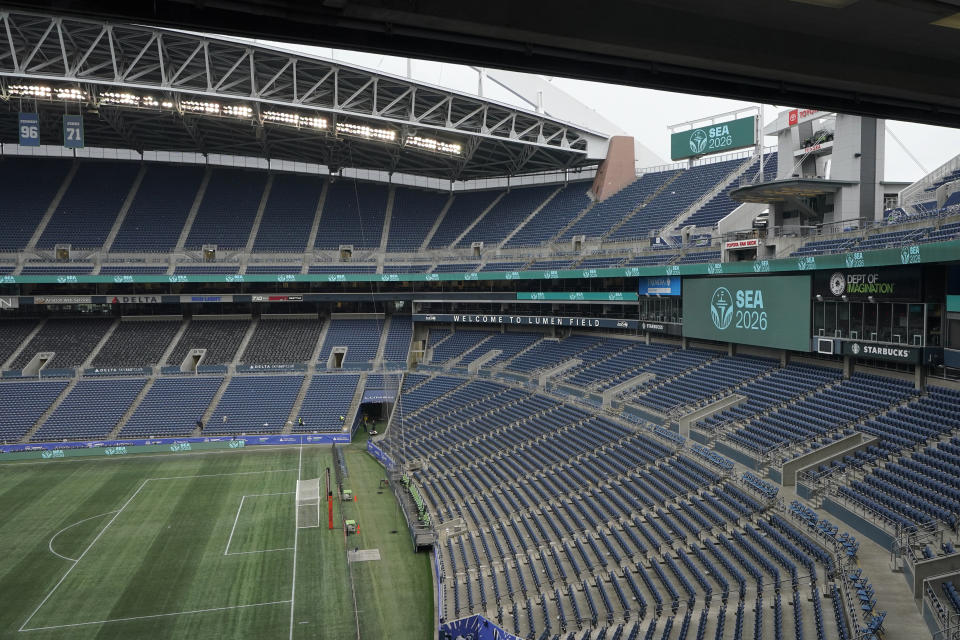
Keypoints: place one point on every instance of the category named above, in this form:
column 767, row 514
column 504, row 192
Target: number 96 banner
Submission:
column 768, row 311
column 29, row 130
column 73, row 131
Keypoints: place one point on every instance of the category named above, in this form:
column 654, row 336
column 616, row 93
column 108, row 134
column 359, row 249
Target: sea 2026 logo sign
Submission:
column 855, row 260
column 910, row 255
column 746, row 306
column 721, row 308
column 698, row 141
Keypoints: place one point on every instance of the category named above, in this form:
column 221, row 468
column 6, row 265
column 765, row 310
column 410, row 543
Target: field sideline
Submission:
column 202, row 545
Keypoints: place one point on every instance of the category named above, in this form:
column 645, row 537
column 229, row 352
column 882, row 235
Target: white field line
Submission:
column 156, row 615
column 234, row 528
column 90, row 546
column 243, row 553
column 296, row 537
column 226, row 551
column 217, row 475
column 116, row 514
column 70, row 526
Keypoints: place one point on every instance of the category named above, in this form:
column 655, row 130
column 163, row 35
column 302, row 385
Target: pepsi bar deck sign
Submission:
column 29, row 130
column 73, row 131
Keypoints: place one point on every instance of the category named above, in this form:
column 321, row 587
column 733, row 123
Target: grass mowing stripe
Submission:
column 296, row 539
column 90, row 546
column 156, row 615
column 200, row 497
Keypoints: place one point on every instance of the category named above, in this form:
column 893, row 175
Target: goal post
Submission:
column 308, row 503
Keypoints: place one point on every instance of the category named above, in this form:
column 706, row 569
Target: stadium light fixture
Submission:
column 237, row 111
column 366, row 131
column 197, row 106
column 295, row 120
column 30, row 91
column 127, row 99
column 430, row 144
column 70, row 93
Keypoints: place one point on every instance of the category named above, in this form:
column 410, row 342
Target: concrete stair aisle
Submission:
column 428, row 356
column 660, row 383
column 381, row 347
column 351, row 414
column 173, row 343
column 436, row 224
column 387, row 219
column 255, row 229
column 503, row 363
column 297, row 404
column 214, row 402
column 569, row 225
column 667, row 230
column 96, row 349
column 53, row 407
column 24, row 344
column 314, row 358
column 307, row 380
column 45, row 220
column 536, row 210
column 133, row 407
column 237, row 358
column 123, row 212
column 479, row 218
column 314, row 229
column 449, row 364
column 188, row 224
column 640, row 206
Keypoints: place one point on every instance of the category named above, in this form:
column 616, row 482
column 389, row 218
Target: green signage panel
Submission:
column 714, row 138
column 767, row 312
column 946, row 251
column 577, row 296
column 953, row 303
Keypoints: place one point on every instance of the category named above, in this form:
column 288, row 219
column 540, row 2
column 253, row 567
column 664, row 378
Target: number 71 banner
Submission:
column 73, row 131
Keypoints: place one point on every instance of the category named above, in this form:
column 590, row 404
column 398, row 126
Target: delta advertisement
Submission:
column 763, row 311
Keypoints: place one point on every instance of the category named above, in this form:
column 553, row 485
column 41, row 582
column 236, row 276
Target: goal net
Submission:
column 308, row 503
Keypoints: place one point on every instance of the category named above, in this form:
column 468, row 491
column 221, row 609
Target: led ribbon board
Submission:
column 764, row 311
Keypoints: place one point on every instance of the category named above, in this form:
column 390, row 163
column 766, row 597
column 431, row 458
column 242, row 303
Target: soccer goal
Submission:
column 308, row 503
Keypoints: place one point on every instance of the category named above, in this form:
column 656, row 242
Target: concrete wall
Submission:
column 734, row 400
column 873, row 531
column 617, row 170
column 923, row 569
column 833, row 451
column 737, row 455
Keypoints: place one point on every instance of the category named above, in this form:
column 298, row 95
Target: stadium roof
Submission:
column 867, row 57
column 148, row 88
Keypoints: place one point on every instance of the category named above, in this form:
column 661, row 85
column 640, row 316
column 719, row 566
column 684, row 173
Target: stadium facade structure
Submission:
column 637, row 448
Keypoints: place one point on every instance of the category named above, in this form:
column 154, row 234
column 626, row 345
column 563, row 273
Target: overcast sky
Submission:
column 645, row 113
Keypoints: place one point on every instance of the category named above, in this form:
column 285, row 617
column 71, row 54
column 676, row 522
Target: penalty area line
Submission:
column 89, row 546
column 156, row 615
column 70, row 526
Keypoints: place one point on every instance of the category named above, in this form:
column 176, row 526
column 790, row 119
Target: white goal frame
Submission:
column 308, row 503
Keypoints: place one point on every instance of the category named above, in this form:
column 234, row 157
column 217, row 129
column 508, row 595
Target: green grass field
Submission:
column 202, row 545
